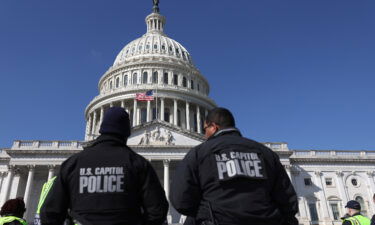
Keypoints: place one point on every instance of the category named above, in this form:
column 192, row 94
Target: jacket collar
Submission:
column 230, row 130
column 110, row 138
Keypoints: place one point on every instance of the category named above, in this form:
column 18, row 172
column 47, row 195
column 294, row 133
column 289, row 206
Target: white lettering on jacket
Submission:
column 101, row 180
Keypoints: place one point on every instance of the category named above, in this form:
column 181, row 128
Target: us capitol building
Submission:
column 163, row 131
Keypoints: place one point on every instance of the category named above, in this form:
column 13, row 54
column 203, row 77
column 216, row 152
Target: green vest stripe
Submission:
column 358, row 220
column 43, row 195
column 8, row 219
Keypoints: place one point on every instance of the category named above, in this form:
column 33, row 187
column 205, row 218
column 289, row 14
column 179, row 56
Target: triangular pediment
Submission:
column 160, row 133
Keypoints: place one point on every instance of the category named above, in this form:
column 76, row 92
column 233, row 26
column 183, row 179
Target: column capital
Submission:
column 51, row 166
column 166, row 162
column 339, row 173
column 30, row 167
column 318, row 173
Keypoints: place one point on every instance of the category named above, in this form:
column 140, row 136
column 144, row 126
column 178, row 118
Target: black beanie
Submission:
column 116, row 121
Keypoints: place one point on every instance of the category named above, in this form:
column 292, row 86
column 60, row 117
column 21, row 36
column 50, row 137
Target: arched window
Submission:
column 155, row 77
column 363, row 206
column 135, row 78
column 143, row 115
column 166, row 115
column 125, row 80
column 192, row 84
column 165, row 78
column 184, row 82
column 140, row 47
column 117, row 82
column 163, row 47
column 155, row 46
column 175, row 79
column 148, row 46
column 170, row 48
column 144, row 78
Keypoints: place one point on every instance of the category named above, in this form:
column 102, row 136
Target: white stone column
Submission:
column 324, row 209
column 175, row 112
column 1, row 180
column 166, row 177
column 111, row 104
column 187, row 116
column 162, row 109
column 370, row 190
column 93, row 128
column 101, row 118
column 88, row 127
column 29, row 184
column 341, row 187
column 8, row 181
column 199, row 129
column 148, row 116
column 51, row 171
column 135, row 113
column 123, row 104
column 15, row 184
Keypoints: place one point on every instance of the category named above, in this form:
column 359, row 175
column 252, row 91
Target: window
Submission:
column 175, row 79
column 184, row 82
column 140, row 47
column 135, row 78
column 143, row 115
column 170, row 48
column 313, row 212
column 154, row 113
column 125, row 80
column 163, row 47
column 192, row 84
column 165, row 78
column 183, row 55
column 354, row 182
column 335, row 211
column 155, row 77
column 117, row 82
column 178, row 117
column 155, row 46
column 147, row 46
column 144, row 78
column 110, row 85
column 166, row 115
column 329, row 182
column 307, row 181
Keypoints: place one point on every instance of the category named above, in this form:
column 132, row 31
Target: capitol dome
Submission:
column 156, row 64
column 154, row 43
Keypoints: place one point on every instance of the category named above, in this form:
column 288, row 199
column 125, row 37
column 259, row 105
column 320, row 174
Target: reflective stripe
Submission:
column 43, row 195
column 358, row 220
column 8, row 219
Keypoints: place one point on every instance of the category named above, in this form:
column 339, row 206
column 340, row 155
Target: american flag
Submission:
column 147, row 96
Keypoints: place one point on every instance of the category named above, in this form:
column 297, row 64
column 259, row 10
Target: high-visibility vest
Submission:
column 358, row 220
column 8, row 219
column 43, row 195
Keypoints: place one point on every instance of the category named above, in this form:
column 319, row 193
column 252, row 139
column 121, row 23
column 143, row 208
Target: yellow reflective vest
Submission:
column 8, row 219
column 358, row 220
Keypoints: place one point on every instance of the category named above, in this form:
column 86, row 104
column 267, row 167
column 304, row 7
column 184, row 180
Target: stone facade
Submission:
column 163, row 131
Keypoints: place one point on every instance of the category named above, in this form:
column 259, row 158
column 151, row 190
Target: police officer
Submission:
column 354, row 212
column 12, row 212
column 107, row 183
column 232, row 180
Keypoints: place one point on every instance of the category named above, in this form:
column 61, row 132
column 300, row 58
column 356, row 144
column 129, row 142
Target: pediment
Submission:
column 159, row 133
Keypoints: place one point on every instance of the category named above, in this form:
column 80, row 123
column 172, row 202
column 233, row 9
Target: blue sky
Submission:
column 297, row 71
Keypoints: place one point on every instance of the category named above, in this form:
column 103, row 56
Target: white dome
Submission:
column 153, row 43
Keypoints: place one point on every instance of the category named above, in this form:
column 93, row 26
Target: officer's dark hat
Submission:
column 353, row 205
column 116, row 121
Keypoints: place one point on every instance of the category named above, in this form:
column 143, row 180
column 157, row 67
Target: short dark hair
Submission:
column 15, row 207
column 221, row 116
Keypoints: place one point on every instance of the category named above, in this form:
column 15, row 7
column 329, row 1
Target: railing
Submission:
column 332, row 153
column 47, row 145
column 277, row 146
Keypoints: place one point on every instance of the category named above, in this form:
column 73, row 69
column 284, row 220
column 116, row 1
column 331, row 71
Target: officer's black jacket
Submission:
column 266, row 199
column 130, row 195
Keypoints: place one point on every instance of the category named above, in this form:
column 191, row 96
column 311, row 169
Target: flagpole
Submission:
column 157, row 82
